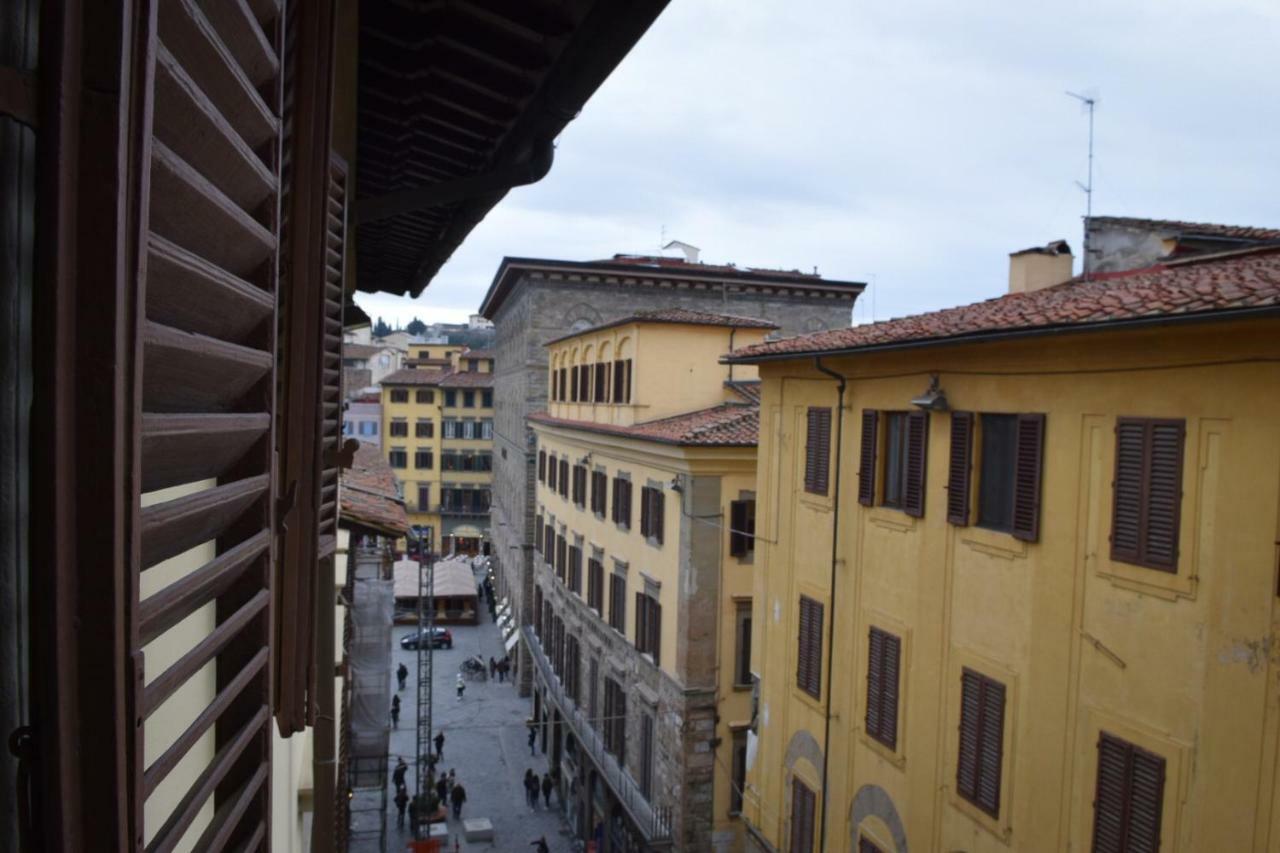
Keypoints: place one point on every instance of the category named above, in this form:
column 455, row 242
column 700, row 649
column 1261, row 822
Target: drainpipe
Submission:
column 324, row 734
column 831, row 622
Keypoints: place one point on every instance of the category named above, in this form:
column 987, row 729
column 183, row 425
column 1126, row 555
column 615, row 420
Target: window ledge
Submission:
column 893, row 519
column 897, row 759
column 993, row 543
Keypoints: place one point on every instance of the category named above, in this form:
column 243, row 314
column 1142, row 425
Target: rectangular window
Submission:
column 564, row 381
column 618, row 603
column 619, row 381
column 573, row 384
column 809, row 648
column 551, row 473
column 486, row 399
column 1128, row 799
column 424, row 429
column 817, row 451
column 906, row 434
column 622, row 502
column 738, row 782
column 652, row 510
column 562, row 556
column 486, row 430
column 424, row 496
column 742, row 532
column 549, row 544
column 649, row 625
column 399, row 395
column 615, row 720
column 542, row 466
column 484, row 461
column 575, row 568
column 803, row 803
column 1147, row 492
column 468, row 399
column 978, row 766
column 449, row 429
column 537, row 533
column 883, row 661
column 602, row 380
column 742, row 657
column 555, row 384
column 595, row 585
column 399, row 429
column 593, row 693
column 564, row 478
column 425, row 396
column 450, row 399
column 895, row 447
column 580, row 485
column 368, row 428
column 422, row 459
column 646, row 756
column 995, row 480
column 469, row 430
column 584, row 383
column 599, row 492
column 398, row 458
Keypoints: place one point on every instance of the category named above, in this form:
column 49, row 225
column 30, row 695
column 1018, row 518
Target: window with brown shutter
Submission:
column 601, row 379
column 398, row 429
column 425, row 429
column 599, row 493
column 883, row 660
column 564, row 478
column 1147, row 492
column 647, row 743
column 399, row 395
column 427, row 396
column 803, row 806
column 575, row 568
column 573, row 384
column 959, row 467
column 1027, row 467
column 584, row 383
column 867, row 457
column 537, row 533
column 595, row 586
column 562, row 556
column 542, row 466
column 555, row 384
column 622, row 502
column 648, row 625
column 981, row 752
column 1128, row 800
column 619, row 381
column 618, row 603
column 549, row 544
column 809, row 648
column 906, row 439
column 817, row 450
column 742, row 528
column 551, row 472
column 652, row 510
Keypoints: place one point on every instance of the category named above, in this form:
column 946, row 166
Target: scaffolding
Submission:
column 368, row 729
column 426, row 626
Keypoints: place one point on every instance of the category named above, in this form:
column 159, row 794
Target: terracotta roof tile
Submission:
column 413, row 376
column 677, row 316
column 478, row 353
column 1187, row 229
column 1176, row 289
column 726, row 425
column 467, row 379
column 368, row 493
column 350, row 350
column 749, row 391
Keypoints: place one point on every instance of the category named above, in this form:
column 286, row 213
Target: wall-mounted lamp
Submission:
column 934, row 399
column 676, row 486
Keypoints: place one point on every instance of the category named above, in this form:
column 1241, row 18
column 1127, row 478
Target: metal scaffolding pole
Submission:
column 426, row 614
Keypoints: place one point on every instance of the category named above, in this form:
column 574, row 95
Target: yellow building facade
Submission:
column 642, row 601
column 437, row 436
column 1016, row 589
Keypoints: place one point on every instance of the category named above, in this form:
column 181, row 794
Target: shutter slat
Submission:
column 970, row 712
column 181, row 448
column 187, row 372
column 239, row 30
column 1126, row 515
column 1027, row 466
column 875, row 682
column 181, row 286
column 913, row 487
column 959, row 467
column 178, row 525
column 817, row 460
column 226, row 820
column 991, row 755
column 889, row 710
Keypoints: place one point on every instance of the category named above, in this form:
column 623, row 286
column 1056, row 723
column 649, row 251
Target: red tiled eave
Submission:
column 675, row 316
column 1244, row 282
column 726, row 425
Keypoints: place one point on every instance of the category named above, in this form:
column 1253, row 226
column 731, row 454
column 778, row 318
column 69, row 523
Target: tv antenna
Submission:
column 1088, row 101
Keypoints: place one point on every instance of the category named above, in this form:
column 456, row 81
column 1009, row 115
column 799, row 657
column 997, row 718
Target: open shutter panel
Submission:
column 655, row 628
column 917, row 444
column 1027, row 465
column 1164, row 495
column 867, row 458
column 817, row 458
column 208, row 354
column 334, row 455
column 991, row 755
column 642, row 624
column 1146, row 805
column 959, row 467
column 644, row 510
column 1127, row 490
column 889, row 707
column 658, row 516
column 970, row 714
column 1110, row 795
column 1128, row 798
column 875, row 682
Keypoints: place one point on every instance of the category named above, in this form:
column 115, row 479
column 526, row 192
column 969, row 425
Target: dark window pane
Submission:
column 995, row 483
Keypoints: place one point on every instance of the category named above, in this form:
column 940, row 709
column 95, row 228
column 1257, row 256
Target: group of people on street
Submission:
column 500, row 668
column 532, row 786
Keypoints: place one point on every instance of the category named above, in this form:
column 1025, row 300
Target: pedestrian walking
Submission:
column 402, row 673
column 533, row 735
column 395, row 712
column 439, row 742
column 528, row 774
column 402, row 802
column 531, row 789
column 397, row 775
column 442, row 789
column 493, row 667
column 547, row 785
column 462, row 687
column 458, row 796
column 541, row 844
column 452, row 778
column 413, row 815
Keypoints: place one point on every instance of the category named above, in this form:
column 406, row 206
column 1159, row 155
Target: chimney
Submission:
column 1039, row 267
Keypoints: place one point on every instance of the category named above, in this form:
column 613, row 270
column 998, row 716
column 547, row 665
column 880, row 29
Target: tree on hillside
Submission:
column 416, row 327
column 381, row 329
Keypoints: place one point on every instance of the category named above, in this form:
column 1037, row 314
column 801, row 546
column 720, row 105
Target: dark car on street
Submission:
column 441, row 639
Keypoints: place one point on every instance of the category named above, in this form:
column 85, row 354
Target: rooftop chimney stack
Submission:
column 690, row 252
column 1040, row 267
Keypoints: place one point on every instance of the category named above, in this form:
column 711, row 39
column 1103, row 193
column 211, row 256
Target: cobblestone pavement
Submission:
column 486, row 742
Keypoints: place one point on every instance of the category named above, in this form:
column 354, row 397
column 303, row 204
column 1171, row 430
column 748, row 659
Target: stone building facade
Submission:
column 532, row 301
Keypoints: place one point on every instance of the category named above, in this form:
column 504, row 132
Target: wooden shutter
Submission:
column 626, row 504
column 883, row 660
column 809, row 648
column 867, row 457
column 1147, row 492
column 619, row 380
column 737, row 528
column 1028, row 462
column 803, row 804
column 866, row 845
column 914, row 480
column 542, row 466
column 981, row 753
column 817, row 454
column 617, row 500
column 642, row 632
column 564, row 478
column 1128, row 798
column 959, row 467
column 655, row 630
column 644, row 510
column 657, row 516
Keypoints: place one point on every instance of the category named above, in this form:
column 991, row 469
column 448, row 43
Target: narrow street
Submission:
column 486, row 743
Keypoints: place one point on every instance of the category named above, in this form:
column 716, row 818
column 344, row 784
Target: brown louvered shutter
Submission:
column 542, row 466
column 644, row 511
column 867, row 457
column 959, row 467
column 334, row 453
column 1128, row 798
column 803, row 804
column 1147, row 492
column 913, row 485
column 1127, row 490
column 817, row 453
column 1028, row 462
column 809, row 654
column 981, row 753
column 655, row 631
column 884, row 652
column 657, row 516
column 642, row 623
column 615, row 512
column 866, row 845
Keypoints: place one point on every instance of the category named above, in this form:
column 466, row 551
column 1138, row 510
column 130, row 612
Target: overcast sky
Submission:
column 909, row 144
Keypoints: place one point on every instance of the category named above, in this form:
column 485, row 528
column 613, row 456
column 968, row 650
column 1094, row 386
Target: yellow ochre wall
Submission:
column 1181, row 664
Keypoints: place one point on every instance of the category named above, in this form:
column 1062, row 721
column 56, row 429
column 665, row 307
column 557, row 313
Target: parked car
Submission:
column 441, row 639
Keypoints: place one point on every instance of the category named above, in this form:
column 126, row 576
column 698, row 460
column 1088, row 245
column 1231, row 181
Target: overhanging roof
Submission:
column 455, row 90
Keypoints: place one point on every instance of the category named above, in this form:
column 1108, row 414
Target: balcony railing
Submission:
column 653, row 823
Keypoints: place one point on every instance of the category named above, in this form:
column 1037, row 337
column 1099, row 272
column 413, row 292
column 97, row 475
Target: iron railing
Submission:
column 653, row 822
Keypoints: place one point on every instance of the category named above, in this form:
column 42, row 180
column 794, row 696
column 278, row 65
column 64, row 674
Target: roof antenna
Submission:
column 1088, row 101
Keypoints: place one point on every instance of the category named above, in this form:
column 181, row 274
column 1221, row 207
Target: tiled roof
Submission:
column 1197, row 287
column 361, row 350
column 726, row 425
column 467, row 379
column 369, row 495
column 412, row 376
column 748, row 391
column 677, row 316
column 674, row 263
column 1206, row 229
column 479, row 353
